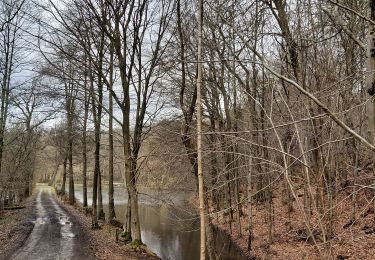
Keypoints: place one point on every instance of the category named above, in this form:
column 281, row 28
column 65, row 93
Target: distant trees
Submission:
column 20, row 102
column 65, row 73
column 9, row 45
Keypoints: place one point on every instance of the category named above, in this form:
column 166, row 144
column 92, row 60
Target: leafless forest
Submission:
column 263, row 108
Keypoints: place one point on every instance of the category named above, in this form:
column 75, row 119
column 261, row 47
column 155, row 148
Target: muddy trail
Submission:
column 56, row 234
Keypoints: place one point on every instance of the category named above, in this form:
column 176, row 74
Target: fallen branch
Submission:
column 14, row 208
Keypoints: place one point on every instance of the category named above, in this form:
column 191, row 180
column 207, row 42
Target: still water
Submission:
column 169, row 225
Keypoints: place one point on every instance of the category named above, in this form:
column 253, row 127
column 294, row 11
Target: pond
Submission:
column 169, row 226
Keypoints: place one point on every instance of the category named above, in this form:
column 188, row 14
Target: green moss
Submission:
column 136, row 244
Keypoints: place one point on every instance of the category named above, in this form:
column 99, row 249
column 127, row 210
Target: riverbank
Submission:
column 103, row 241
column 218, row 227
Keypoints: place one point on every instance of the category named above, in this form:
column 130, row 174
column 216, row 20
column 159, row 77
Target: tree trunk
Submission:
column 101, row 214
column 84, row 149
column 111, row 203
column 249, row 205
column 62, row 191
column 199, row 137
column 94, row 223
column 210, row 233
column 71, row 180
column 130, row 169
column 371, row 77
column 127, row 224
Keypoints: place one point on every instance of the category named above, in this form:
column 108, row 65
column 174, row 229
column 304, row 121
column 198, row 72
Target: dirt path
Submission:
column 56, row 234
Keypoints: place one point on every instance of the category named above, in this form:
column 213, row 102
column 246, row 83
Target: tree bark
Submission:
column 101, row 215
column 111, row 203
column 62, row 190
column 199, row 137
column 371, row 77
column 84, row 147
column 95, row 223
column 70, row 157
column 130, row 177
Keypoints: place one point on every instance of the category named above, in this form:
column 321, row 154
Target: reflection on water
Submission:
column 169, row 227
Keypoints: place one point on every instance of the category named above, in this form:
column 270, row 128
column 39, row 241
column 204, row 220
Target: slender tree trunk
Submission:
column 84, row 149
column 354, row 193
column 228, row 188
column 111, row 203
column 199, row 137
column 1, row 199
column 71, row 177
column 95, row 223
column 127, row 224
column 235, row 155
column 371, row 76
column 70, row 149
column 210, row 233
column 95, row 185
column 62, row 191
column 101, row 215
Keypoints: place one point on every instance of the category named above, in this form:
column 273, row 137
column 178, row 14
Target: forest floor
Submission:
column 102, row 241
column 15, row 227
column 351, row 240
